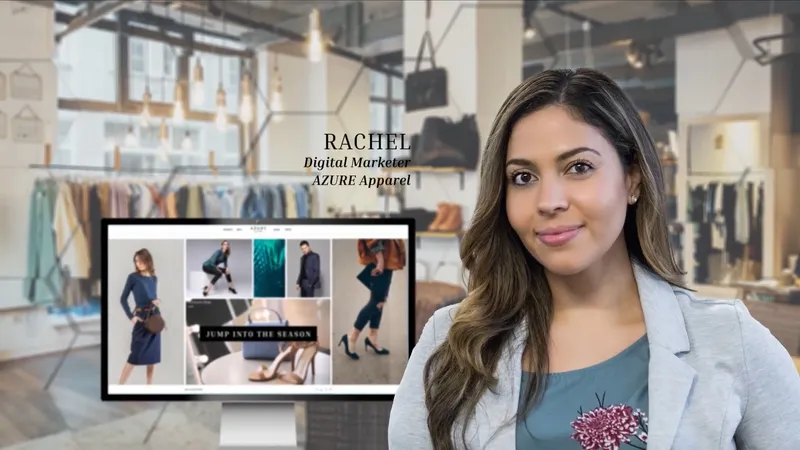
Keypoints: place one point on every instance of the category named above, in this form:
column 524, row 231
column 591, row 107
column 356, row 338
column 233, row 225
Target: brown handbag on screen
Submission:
column 154, row 323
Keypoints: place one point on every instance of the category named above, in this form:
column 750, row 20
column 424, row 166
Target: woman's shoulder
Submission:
column 441, row 320
column 718, row 327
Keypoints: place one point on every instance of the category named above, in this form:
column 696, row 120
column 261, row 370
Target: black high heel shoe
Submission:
column 205, row 291
column 344, row 340
column 378, row 351
column 232, row 290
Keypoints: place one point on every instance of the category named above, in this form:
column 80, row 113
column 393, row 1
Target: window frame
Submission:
column 134, row 57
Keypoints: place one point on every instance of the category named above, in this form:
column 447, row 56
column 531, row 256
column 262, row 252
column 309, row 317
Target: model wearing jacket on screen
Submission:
column 576, row 333
column 217, row 267
column 380, row 258
column 308, row 277
column 145, row 346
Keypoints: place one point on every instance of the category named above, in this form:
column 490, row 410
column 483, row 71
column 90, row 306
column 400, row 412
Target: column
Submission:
column 329, row 96
column 734, row 114
column 482, row 52
column 26, row 52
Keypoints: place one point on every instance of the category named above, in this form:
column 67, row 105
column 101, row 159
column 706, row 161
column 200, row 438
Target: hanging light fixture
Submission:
column 178, row 113
column 222, row 109
column 316, row 47
column 146, row 98
column 163, row 135
column 276, row 99
column 246, row 100
column 198, row 83
column 186, row 143
column 130, row 138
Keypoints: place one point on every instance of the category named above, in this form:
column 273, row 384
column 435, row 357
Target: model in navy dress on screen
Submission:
column 145, row 346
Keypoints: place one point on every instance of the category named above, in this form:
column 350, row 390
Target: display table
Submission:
column 234, row 369
column 764, row 290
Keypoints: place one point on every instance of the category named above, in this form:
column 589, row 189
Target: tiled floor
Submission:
column 69, row 414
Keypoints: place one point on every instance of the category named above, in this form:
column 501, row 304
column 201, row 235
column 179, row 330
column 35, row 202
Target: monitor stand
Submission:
column 266, row 425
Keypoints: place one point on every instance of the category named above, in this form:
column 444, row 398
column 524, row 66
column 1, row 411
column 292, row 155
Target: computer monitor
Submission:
column 256, row 311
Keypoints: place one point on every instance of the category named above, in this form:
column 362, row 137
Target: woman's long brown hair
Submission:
column 507, row 287
column 147, row 259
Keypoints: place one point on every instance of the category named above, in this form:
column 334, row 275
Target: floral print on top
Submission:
column 602, row 407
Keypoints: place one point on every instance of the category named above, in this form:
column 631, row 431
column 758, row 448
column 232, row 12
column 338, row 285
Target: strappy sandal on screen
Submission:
column 271, row 371
column 298, row 375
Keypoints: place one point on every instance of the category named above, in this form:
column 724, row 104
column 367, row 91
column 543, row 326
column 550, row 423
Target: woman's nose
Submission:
column 552, row 197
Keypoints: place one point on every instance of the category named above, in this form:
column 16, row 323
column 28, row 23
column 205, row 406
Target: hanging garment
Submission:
column 291, row 203
column 71, row 244
column 42, row 281
column 301, row 200
column 212, row 203
column 742, row 218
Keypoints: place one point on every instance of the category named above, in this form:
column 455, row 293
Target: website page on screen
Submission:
column 256, row 309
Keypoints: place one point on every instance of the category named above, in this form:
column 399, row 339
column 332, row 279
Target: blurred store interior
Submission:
column 240, row 93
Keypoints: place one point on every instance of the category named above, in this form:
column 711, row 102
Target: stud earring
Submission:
column 633, row 199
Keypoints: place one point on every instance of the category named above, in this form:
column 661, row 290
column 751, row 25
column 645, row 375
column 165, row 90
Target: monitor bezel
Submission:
column 239, row 398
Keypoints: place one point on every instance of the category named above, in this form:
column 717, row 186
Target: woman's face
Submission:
column 567, row 191
column 140, row 265
column 225, row 246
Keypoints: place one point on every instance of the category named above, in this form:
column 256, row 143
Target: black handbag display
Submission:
column 444, row 143
column 426, row 88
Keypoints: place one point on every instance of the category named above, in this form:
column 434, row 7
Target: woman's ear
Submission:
column 633, row 180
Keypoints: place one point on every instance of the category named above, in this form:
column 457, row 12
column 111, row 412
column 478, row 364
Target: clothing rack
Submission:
column 760, row 179
column 66, row 212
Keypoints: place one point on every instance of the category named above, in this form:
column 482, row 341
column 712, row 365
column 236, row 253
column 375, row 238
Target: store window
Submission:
column 217, row 69
column 155, row 66
column 138, row 55
column 87, row 68
column 387, row 103
column 169, row 61
column 88, row 137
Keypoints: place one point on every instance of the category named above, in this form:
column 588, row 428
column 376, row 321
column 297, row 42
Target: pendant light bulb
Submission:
column 246, row 102
column 130, row 138
column 276, row 100
column 163, row 135
column 222, row 109
column 316, row 47
column 186, row 143
column 145, row 116
column 198, row 83
column 178, row 113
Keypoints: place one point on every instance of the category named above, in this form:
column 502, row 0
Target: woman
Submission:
column 576, row 333
column 380, row 259
column 145, row 346
column 217, row 266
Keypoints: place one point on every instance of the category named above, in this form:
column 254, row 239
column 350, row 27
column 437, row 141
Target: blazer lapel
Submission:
column 670, row 379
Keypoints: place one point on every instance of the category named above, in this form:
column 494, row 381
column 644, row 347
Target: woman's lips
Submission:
column 557, row 237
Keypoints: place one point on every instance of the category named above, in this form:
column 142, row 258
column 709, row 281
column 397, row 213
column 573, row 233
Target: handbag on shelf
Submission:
column 445, row 143
column 263, row 350
column 154, row 323
column 426, row 88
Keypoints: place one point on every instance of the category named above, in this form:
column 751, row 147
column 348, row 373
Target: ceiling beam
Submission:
column 157, row 36
column 92, row 14
column 694, row 19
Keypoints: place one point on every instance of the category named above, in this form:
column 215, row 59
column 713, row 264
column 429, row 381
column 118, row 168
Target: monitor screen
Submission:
column 236, row 310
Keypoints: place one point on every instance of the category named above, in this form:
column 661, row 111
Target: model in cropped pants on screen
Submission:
column 217, row 267
column 380, row 258
column 145, row 346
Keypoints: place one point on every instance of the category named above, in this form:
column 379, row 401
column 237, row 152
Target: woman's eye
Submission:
column 580, row 168
column 522, row 178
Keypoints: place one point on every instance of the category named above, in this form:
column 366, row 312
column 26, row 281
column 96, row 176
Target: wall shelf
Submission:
column 438, row 235
column 419, row 170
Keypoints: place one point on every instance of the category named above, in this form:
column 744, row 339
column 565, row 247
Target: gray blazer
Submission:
column 718, row 380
